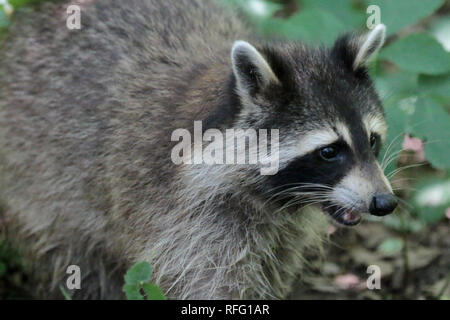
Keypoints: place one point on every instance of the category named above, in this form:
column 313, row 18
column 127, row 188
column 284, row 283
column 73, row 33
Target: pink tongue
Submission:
column 350, row 216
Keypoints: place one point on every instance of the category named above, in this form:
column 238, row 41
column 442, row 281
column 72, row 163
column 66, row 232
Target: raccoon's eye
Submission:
column 373, row 141
column 329, row 153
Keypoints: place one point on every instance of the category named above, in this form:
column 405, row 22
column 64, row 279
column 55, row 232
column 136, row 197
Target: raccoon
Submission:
column 86, row 176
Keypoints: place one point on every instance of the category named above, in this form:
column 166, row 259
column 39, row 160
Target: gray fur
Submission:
column 85, row 173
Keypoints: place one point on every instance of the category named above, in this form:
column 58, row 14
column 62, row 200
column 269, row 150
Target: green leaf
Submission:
column 391, row 246
column 132, row 292
column 419, row 53
column 140, row 272
column 344, row 10
column 395, row 86
column 65, row 293
column 435, row 85
column 310, row 25
column 399, row 14
column 431, row 123
column 153, row 292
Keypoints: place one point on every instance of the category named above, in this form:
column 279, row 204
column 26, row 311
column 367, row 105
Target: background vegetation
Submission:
column 412, row 75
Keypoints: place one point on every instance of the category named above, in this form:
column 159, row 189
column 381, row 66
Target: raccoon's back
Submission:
column 64, row 93
column 86, row 115
column 154, row 41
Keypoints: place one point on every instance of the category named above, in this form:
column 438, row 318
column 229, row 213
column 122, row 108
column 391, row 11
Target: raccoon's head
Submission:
column 330, row 120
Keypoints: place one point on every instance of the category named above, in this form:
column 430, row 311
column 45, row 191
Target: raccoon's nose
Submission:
column 382, row 204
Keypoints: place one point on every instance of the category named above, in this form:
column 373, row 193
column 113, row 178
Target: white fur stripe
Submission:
column 306, row 144
column 376, row 124
column 344, row 132
column 316, row 139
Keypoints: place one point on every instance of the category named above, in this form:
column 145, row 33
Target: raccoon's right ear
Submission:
column 253, row 73
column 355, row 50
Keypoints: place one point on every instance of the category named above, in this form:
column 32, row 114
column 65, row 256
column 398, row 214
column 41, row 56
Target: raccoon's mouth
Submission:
column 344, row 216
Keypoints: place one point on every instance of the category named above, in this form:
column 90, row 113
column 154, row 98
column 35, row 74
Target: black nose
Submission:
column 382, row 204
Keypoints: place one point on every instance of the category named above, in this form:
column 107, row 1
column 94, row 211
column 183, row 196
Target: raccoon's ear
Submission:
column 369, row 45
column 253, row 73
column 355, row 51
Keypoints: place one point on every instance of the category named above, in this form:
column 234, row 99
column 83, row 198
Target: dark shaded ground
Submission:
column 13, row 279
column 420, row 270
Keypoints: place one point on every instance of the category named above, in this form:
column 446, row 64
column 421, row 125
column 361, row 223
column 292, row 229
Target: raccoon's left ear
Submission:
column 253, row 73
column 355, row 51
